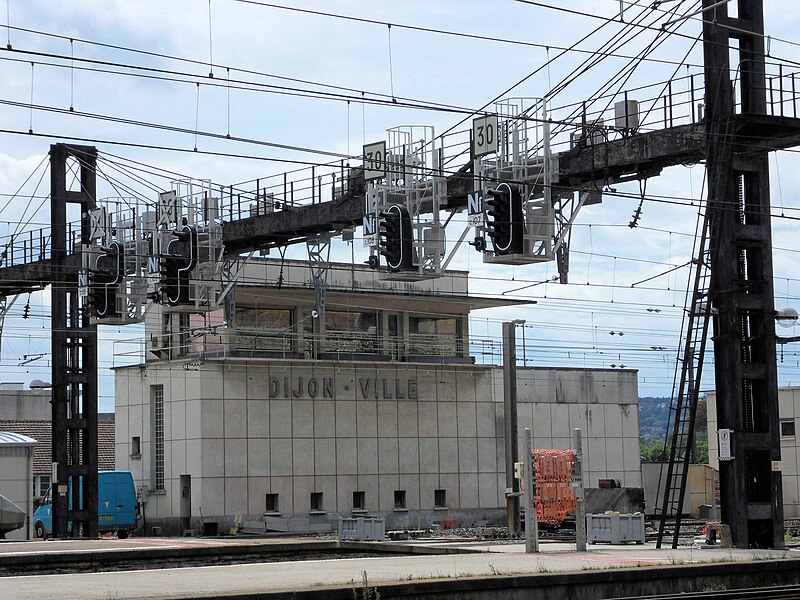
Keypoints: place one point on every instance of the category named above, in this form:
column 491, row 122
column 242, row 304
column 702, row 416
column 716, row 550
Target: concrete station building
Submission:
column 376, row 407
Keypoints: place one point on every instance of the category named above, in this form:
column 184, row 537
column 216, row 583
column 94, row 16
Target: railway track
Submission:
column 786, row 592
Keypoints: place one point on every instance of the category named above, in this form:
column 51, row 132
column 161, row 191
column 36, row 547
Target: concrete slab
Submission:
column 210, row 581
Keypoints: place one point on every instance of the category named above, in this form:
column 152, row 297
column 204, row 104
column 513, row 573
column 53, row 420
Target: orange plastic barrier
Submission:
column 554, row 497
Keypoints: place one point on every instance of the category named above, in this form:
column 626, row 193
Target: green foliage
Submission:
column 494, row 570
column 653, row 451
column 701, row 447
column 653, row 422
column 541, row 567
column 367, row 592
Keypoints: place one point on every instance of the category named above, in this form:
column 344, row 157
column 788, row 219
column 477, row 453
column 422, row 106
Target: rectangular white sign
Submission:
column 475, row 209
column 485, row 138
column 374, row 161
column 370, row 231
column 724, row 436
column 83, row 284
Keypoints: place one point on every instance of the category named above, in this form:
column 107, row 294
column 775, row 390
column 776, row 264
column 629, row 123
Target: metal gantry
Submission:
column 74, row 356
column 741, row 273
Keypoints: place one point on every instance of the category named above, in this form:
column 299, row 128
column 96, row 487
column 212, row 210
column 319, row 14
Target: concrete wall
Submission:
column 603, row 404
column 245, row 429
column 699, row 487
column 788, row 411
column 19, row 404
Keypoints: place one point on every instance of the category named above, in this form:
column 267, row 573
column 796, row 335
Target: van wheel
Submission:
column 122, row 534
column 39, row 531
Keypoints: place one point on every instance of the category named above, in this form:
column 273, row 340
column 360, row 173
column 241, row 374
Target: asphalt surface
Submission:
column 210, row 581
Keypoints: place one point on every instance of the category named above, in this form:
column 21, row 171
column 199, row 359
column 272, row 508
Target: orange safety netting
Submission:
column 554, row 498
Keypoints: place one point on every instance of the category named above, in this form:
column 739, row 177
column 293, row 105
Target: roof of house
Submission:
column 41, row 431
column 12, row 438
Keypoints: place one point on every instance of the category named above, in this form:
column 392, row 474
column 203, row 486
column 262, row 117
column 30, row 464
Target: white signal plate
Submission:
column 374, row 161
column 484, row 135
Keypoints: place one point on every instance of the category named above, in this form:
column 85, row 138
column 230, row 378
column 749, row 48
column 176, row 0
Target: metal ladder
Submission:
column 683, row 409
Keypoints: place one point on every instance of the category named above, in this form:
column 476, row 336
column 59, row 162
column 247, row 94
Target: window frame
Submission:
column 359, row 501
column 158, row 465
column 316, row 503
column 272, row 503
column 136, row 446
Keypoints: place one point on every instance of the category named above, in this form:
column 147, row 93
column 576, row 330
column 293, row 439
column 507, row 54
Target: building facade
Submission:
column 789, row 415
column 392, row 417
column 28, row 412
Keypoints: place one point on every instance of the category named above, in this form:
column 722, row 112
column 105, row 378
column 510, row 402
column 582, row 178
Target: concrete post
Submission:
column 577, row 485
column 510, row 422
column 531, row 518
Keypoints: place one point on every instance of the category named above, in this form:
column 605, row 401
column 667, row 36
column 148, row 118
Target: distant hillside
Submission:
column 653, row 420
column 653, row 417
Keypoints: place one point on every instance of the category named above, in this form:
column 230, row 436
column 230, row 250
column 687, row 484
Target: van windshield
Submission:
column 48, row 497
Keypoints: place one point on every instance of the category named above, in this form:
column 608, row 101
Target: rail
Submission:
column 33, row 245
column 232, row 342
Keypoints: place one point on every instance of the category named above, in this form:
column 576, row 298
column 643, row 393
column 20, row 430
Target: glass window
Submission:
column 787, row 428
column 359, row 500
column 399, row 498
column 265, row 329
column 316, row 501
column 203, row 332
column 394, row 340
column 351, row 331
column 431, row 336
column 439, row 498
column 183, row 330
column 166, row 333
column 157, row 408
column 136, row 445
column 271, row 503
column 40, row 485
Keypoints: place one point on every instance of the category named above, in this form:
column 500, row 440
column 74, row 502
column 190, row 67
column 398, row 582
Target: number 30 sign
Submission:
column 484, row 135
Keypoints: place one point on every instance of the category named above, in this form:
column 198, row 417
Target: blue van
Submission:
column 117, row 507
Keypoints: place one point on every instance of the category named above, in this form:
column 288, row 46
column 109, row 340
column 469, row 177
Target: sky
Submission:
column 107, row 73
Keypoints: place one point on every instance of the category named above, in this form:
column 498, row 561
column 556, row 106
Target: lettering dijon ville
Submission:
column 326, row 387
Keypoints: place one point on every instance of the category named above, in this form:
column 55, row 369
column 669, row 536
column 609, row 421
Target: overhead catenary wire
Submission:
column 349, row 153
column 46, row 108
column 377, row 96
column 127, row 49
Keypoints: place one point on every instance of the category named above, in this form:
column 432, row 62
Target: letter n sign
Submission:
column 475, row 208
column 83, row 283
column 370, row 230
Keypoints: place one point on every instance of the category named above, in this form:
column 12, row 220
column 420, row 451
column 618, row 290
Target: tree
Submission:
column 653, row 451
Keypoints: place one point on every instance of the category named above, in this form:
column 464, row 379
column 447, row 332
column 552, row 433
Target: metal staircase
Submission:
column 680, row 426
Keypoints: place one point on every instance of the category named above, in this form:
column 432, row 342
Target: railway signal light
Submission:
column 396, row 238
column 104, row 279
column 177, row 265
column 505, row 220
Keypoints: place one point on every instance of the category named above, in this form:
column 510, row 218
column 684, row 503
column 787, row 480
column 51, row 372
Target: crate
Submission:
column 361, row 529
column 615, row 528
